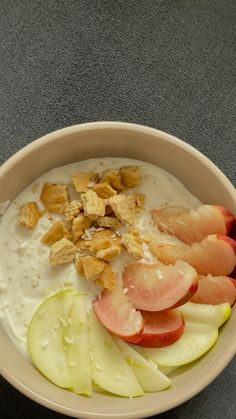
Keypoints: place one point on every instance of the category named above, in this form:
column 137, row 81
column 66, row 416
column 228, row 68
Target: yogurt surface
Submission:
column 27, row 278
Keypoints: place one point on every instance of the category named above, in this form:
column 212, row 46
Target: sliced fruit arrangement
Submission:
column 214, row 315
column 159, row 287
column 194, row 224
column 215, row 290
column 215, row 255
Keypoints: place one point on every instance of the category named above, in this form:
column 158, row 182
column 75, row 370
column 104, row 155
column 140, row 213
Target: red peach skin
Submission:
column 215, row 255
column 215, row 290
column 161, row 328
column 117, row 314
column 193, row 225
column 159, row 287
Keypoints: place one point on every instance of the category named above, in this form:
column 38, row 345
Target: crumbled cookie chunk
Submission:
column 104, row 190
column 54, row 197
column 140, row 200
column 55, row 233
column 79, row 224
column 110, row 222
column 109, row 253
column 101, row 239
column 107, row 278
column 93, row 206
column 130, row 176
column 81, row 181
column 73, row 210
column 29, row 215
column 113, row 178
column 62, row 251
column 90, row 267
column 133, row 245
column 124, row 207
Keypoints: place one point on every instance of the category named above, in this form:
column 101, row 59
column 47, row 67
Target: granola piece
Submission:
column 29, row 215
column 93, row 206
column 82, row 180
column 107, row 278
column 62, row 251
column 104, row 190
column 91, row 266
column 133, row 245
column 55, row 233
column 110, row 222
column 124, row 207
column 54, row 197
column 140, row 200
column 101, row 239
column 113, row 178
column 130, row 176
column 79, row 224
column 109, row 253
column 73, row 210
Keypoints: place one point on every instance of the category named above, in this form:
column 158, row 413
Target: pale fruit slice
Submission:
column 193, row 225
column 206, row 314
column 191, row 346
column 149, row 377
column 215, row 290
column 47, row 347
column 78, row 347
column 159, row 287
column 214, row 255
column 110, row 371
column 118, row 315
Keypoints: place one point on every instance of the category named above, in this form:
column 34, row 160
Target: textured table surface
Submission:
column 167, row 64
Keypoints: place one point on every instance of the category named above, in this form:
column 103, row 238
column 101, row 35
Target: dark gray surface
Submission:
column 167, row 64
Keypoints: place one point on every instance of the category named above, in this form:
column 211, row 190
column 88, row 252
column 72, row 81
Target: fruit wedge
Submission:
column 215, row 290
column 118, row 315
column 58, row 341
column 110, row 371
column 149, row 377
column 193, row 225
column 191, row 346
column 161, row 328
column 159, row 287
column 206, row 314
column 214, row 255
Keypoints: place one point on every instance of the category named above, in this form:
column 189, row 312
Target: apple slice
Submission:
column 117, row 314
column 58, row 341
column 215, row 255
column 159, row 287
column 147, row 373
column 206, row 314
column 191, row 346
column 110, row 371
column 193, row 225
column 161, row 328
column 215, row 290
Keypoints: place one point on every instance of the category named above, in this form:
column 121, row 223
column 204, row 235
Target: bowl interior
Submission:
column 198, row 174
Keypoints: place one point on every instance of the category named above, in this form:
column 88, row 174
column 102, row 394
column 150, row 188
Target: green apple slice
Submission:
column 191, row 346
column 147, row 373
column 110, row 370
column 214, row 315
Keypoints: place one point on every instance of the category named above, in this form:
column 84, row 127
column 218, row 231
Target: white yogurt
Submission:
column 26, row 277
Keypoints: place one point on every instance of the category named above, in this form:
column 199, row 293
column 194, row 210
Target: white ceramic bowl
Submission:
column 198, row 174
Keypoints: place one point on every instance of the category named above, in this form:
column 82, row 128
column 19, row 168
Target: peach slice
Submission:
column 215, row 290
column 193, row 225
column 117, row 314
column 159, row 287
column 215, row 255
column 161, row 328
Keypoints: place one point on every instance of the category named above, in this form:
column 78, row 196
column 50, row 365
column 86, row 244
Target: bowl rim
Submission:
column 171, row 139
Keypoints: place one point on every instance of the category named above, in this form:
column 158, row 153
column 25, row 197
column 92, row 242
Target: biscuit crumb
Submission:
column 113, row 178
column 130, row 176
column 109, row 253
column 55, row 233
column 79, row 224
column 110, row 222
column 54, row 197
column 133, row 245
column 104, row 190
column 90, row 267
column 73, row 210
column 140, row 200
column 99, row 240
column 82, row 180
column 124, row 207
column 29, row 215
column 107, row 278
column 62, row 251
column 93, row 206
